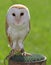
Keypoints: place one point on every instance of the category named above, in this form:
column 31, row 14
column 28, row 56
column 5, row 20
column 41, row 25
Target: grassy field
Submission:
column 39, row 39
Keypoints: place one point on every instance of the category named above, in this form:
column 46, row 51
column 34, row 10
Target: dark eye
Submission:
column 13, row 14
column 21, row 14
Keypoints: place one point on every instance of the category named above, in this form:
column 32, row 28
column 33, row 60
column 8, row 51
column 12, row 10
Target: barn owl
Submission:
column 17, row 27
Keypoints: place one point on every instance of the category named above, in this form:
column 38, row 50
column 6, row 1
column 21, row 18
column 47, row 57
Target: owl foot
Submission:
column 26, row 54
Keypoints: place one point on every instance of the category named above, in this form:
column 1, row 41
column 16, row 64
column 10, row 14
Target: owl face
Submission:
column 17, row 15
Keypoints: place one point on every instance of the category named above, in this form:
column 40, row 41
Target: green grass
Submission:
column 39, row 39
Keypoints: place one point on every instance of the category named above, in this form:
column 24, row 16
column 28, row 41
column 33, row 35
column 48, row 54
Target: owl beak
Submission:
column 17, row 19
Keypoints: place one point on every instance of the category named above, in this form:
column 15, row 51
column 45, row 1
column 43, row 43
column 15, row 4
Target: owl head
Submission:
column 17, row 14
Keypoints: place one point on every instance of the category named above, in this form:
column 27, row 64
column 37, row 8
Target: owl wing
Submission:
column 8, row 36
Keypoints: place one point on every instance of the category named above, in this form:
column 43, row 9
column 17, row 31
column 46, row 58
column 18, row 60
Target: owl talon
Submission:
column 26, row 54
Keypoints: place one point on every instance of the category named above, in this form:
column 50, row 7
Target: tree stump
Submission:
column 34, row 59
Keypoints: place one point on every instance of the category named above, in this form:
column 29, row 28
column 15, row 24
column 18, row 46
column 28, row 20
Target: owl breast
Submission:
column 18, row 32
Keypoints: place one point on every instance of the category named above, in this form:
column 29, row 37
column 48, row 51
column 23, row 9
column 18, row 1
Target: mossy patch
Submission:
column 32, row 58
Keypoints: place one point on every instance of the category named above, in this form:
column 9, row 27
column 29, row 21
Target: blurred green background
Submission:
column 39, row 39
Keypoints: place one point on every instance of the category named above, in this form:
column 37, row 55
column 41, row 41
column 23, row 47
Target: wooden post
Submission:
column 23, row 63
column 41, row 62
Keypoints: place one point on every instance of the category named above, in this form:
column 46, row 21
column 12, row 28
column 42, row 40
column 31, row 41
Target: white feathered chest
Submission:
column 18, row 32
